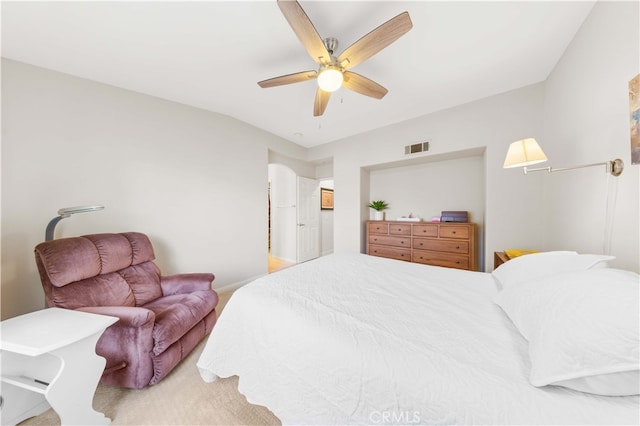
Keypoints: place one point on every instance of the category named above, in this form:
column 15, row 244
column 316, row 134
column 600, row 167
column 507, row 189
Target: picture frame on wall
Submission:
column 326, row 199
column 634, row 118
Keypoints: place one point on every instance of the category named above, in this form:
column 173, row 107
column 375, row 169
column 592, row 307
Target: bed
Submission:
column 356, row 339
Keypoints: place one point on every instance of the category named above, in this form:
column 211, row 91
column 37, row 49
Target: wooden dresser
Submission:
column 447, row 244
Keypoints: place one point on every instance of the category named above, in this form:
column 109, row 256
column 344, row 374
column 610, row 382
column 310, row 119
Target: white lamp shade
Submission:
column 524, row 153
column 330, row 79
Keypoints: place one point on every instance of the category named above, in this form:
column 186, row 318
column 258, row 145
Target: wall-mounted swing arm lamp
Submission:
column 64, row 213
column 527, row 152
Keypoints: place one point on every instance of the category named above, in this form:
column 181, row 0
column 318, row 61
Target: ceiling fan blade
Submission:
column 304, row 29
column 288, row 79
column 375, row 41
column 320, row 104
column 363, row 85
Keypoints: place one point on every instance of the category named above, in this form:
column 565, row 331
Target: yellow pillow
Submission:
column 515, row 253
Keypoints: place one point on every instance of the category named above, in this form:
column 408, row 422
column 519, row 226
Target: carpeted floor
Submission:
column 182, row 398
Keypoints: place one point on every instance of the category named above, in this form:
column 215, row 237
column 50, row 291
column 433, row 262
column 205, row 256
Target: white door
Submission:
column 308, row 219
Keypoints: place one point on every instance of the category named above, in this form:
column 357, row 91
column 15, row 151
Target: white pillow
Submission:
column 582, row 327
column 538, row 265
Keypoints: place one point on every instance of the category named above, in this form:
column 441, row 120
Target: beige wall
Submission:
column 194, row 181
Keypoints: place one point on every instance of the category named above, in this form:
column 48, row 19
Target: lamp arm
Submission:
column 48, row 234
column 67, row 212
column 614, row 167
column 526, row 170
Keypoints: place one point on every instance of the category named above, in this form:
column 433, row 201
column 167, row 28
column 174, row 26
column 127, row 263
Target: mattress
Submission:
column 356, row 339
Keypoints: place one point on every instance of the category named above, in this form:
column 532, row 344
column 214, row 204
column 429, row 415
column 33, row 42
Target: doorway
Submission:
column 294, row 221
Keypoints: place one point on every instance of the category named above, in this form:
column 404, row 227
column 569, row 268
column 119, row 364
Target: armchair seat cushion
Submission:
column 177, row 314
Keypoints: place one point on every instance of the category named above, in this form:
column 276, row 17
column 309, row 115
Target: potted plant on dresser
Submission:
column 378, row 206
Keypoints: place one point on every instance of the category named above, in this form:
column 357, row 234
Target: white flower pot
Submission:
column 378, row 214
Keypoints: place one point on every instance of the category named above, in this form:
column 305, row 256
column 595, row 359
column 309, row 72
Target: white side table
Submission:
column 49, row 360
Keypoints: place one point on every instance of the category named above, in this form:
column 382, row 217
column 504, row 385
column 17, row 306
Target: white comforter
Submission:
column 356, row 339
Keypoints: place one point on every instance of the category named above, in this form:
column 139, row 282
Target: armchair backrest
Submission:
column 98, row 270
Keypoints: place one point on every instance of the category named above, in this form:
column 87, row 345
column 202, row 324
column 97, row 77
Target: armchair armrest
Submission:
column 127, row 343
column 185, row 283
column 130, row 316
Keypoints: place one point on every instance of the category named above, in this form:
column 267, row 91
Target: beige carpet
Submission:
column 182, row 398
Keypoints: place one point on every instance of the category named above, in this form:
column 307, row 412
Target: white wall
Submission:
column 586, row 116
column 580, row 115
column 194, row 181
column 489, row 125
column 425, row 190
column 298, row 166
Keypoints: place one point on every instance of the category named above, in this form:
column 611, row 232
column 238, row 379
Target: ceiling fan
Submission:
column 333, row 72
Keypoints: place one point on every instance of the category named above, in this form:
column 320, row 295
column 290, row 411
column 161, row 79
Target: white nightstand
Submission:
column 49, row 359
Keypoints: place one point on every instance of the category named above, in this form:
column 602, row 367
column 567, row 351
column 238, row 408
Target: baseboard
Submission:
column 237, row 285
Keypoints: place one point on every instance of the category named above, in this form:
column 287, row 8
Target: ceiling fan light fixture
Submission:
column 330, row 78
column 334, row 71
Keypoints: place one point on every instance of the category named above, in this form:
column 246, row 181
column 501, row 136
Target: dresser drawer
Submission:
column 388, row 240
column 425, row 230
column 399, row 229
column 448, row 231
column 377, row 228
column 440, row 259
column 390, row 252
column 447, row 246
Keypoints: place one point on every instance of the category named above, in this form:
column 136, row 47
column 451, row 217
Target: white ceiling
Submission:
column 211, row 54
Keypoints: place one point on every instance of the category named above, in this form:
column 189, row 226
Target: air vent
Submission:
column 416, row 148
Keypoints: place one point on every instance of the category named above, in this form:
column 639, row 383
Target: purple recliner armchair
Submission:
column 162, row 318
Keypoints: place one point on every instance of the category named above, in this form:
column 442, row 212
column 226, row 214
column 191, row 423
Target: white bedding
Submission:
column 356, row 339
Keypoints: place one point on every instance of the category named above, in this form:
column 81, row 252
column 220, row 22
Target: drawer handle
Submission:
column 453, row 232
column 401, row 242
column 457, row 247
